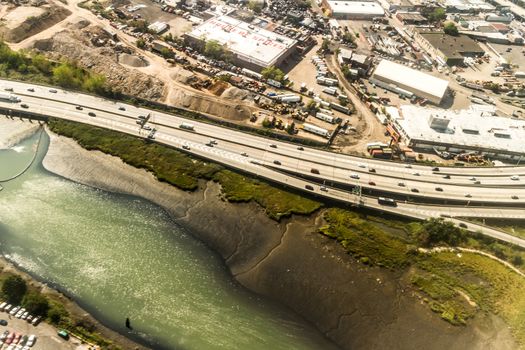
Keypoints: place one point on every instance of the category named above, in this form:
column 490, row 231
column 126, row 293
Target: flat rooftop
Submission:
column 403, row 75
column 249, row 42
column 452, row 46
column 473, row 127
column 356, row 7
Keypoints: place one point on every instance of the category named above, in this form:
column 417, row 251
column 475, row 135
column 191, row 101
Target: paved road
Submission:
column 260, row 154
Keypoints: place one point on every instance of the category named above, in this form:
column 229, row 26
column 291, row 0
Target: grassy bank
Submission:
column 183, row 171
column 18, row 289
column 455, row 285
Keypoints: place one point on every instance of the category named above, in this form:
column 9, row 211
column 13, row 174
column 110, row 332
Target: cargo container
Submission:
column 9, row 97
column 325, row 117
column 316, row 130
column 291, row 99
column 519, row 74
column 340, row 108
column 330, row 91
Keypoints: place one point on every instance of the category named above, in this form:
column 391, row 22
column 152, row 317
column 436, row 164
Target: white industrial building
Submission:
column 476, row 129
column 253, row 47
column 407, row 81
column 345, row 9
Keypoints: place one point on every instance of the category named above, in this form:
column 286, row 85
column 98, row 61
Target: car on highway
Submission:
column 515, row 177
column 92, row 114
column 323, row 188
column 371, row 170
column 477, row 182
column 309, row 187
column 78, row 107
column 9, row 89
column 122, row 108
column 23, row 105
column 435, row 169
column 408, row 166
column 244, row 154
column 415, row 190
column 472, row 178
column 463, row 225
column 273, row 145
column 371, row 183
column 314, row 171
column 147, row 127
column 186, row 147
column 515, row 197
column 362, row 165
column 276, row 162
column 31, row 90
column 439, row 189
column 387, row 201
column 300, row 148
column 401, row 184
column 416, row 174
column 213, row 142
column 468, row 195
column 354, row 176
column 446, row 177
column 53, row 91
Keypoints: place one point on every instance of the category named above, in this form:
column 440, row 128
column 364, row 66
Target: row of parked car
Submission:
column 20, row 312
column 15, row 341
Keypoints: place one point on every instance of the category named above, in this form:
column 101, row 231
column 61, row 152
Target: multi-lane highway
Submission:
column 421, row 191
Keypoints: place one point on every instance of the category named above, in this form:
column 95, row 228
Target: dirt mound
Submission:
column 35, row 24
column 77, row 45
column 181, row 75
column 234, row 93
column 132, row 61
column 218, row 88
column 210, row 106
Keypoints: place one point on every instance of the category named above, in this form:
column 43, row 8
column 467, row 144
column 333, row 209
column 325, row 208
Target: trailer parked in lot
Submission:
column 316, row 130
column 325, row 117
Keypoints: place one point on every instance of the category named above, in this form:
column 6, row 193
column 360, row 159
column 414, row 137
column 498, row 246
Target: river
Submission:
column 119, row 256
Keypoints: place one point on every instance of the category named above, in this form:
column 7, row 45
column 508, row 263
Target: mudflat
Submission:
column 356, row 306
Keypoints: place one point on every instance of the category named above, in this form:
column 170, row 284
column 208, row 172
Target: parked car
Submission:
column 371, row 183
column 31, row 340
column 244, row 154
column 63, row 334
column 2, row 306
column 36, row 320
column 3, row 322
column 4, row 335
column 8, row 308
column 9, row 338
column 468, row 195
column 17, row 338
column 14, row 310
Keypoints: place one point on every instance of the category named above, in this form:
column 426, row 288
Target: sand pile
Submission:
column 132, row 61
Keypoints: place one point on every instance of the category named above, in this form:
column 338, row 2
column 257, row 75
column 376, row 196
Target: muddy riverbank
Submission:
column 356, row 306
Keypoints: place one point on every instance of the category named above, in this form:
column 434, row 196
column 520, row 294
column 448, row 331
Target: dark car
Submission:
column 371, row 170
column 23, row 105
column 308, row 187
column 122, row 108
column 439, row 189
column 3, row 323
column 273, row 146
column 514, row 197
column 276, row 162
column 415, row 190
column 91, row 114
column 186, row 147
column 401, row 184
column 314, row 171
column 79, row 107
column 300, row 148
column 31, row 90
column 446, row 177
column 462, row 225
column 435, row 169
column 371, row 183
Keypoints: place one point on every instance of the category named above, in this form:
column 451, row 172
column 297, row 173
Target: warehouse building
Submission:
column 407, row 81
column 344, row 9
column 252, row 47
column 477, row 129
column 450, row 49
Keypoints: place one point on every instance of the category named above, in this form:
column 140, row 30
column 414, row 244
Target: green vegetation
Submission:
column 255, row 6
column 141, row 43
column 13, row 289
column 451, row 29
column 456, row 285
column 437, row 15
column 36, row 304
column 214, row 49
column 184, row 171
column 37, row 68
column 273, row 73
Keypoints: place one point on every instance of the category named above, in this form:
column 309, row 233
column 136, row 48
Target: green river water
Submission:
column 120, row 256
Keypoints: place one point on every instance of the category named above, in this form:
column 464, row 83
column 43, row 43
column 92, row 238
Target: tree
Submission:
column 36, row 304
column 255, row 6
column 517, row 260
column 141, row 43
column 14, row 289
column 41, row 63
column 325, row 46
column 214, row 49
column 66, row 75
column 437, row 231
column 437, row 15
column 96, row 83
column 273, row 72
column 312, row 107
column 349, row 37
column 167, row 53
column 451, row 29
column 267, row 123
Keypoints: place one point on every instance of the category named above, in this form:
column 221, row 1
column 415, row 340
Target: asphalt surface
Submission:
column 284, row 162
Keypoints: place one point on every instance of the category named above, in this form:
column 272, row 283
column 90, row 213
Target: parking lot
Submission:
column 46, row 335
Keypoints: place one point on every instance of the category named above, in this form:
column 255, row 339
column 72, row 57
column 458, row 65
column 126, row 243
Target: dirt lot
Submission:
column 47, row 338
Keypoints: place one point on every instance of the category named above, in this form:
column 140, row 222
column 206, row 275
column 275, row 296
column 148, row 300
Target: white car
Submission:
column 20, row 313
column 354, row 176
column 14, row 310
column 513, row 177
column 31, row 340
column 2, row 306
column 24, row 315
